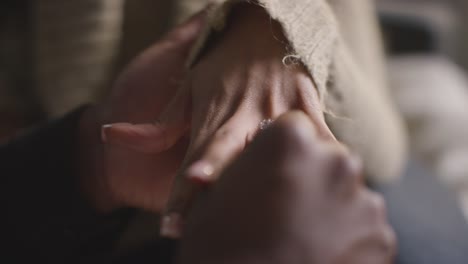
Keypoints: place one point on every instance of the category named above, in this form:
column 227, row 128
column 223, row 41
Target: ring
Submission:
column 265, row 123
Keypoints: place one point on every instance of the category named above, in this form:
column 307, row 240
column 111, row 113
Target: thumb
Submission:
column 154, row 137
column 148, row 138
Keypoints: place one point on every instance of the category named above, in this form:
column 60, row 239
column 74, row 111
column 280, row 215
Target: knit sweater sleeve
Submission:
column 309, row 26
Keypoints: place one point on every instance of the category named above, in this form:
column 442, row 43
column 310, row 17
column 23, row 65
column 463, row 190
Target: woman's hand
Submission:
column 240, row 80
column 114, row 176
column 291, row 198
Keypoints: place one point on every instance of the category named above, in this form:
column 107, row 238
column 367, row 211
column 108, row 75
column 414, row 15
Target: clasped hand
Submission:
column 171, row 132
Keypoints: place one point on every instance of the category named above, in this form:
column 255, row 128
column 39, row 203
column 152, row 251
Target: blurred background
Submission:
column 427, row 47
column 56, row 55
column 426, row 26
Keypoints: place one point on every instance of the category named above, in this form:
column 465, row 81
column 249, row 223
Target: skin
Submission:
column 304, row 202
column 234, row 86
column 328, row 214
column 114, row 176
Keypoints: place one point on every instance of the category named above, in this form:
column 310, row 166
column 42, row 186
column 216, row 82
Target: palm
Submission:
column 139, row 96
column 150, row 174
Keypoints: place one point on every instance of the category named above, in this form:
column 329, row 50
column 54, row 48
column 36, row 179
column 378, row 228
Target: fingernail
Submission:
column 201, row 171
column 171, row 226
column 103, row 132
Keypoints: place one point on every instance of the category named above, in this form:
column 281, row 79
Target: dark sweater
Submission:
column 45, row 217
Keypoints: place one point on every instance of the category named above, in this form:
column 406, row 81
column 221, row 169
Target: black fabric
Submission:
column 427, row 219
column 161, row 251
column 45, row 217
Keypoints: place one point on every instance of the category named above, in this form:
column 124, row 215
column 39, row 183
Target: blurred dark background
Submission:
column 56, row 55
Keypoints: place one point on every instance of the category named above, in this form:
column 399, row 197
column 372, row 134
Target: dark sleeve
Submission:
column 45, row 217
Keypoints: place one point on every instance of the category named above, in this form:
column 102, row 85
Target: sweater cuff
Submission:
column 310, row 27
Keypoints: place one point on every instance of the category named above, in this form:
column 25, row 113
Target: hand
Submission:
column 291, row 198
column 240, row 81
column 115, row 176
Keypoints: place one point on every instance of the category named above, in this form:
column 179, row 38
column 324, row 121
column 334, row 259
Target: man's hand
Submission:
column 114, row 176
column 291, row 198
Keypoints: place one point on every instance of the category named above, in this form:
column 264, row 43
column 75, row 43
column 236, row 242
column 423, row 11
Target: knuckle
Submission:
column 377, row 207
column 291, row 134
column 339, row 171
column 338, row 159
column 345, row 169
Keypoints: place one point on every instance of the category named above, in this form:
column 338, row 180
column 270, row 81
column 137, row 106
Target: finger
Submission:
column 346, row 176
column 295, row 128
column 145, row 138
column 323, row 129
column 153, row 137
column 210, row 161
column 299, row 135
column 225, row 145
column 309, row 102
column 177, row 113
